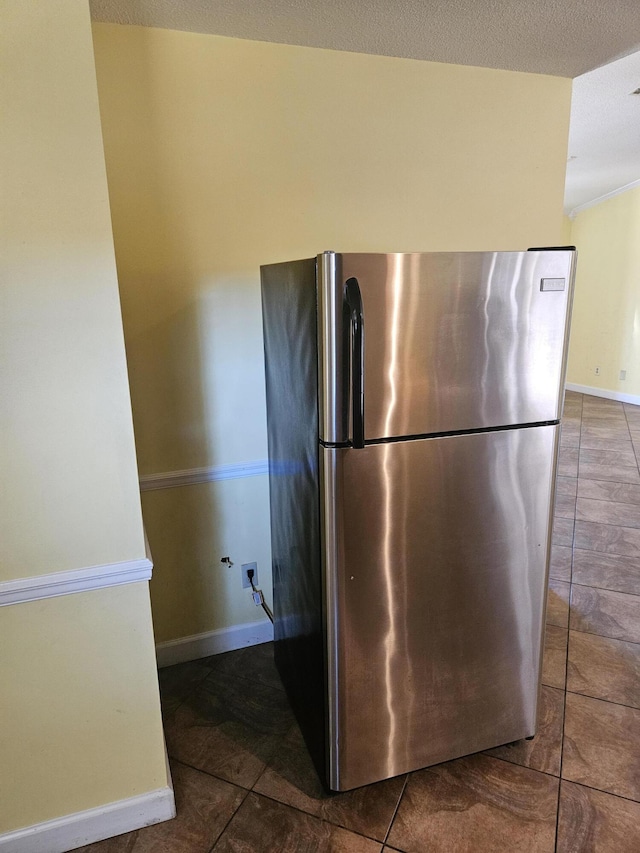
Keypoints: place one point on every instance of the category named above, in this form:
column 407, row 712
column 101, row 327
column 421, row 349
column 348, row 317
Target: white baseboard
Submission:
column 87, row 827
column 213, row 642
column 603, row 392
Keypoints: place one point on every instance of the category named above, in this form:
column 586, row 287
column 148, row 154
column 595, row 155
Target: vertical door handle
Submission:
column 353, row 308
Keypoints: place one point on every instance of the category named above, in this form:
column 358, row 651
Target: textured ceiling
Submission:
column 565, row 38
column 604, row 136
column 560, row 37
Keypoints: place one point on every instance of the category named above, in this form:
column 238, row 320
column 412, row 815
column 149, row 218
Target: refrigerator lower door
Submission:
column 435, row 555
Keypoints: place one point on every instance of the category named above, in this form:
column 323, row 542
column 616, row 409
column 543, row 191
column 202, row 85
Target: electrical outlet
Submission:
column 246, row 583
column 623, row 374
column 597, row 371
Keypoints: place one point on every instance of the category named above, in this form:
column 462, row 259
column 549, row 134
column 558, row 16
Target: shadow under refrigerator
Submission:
column 413, row 409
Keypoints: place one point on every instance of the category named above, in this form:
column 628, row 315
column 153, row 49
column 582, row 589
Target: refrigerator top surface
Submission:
column 452, row 342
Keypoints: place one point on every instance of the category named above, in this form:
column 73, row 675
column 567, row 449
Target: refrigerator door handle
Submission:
column 353, row 308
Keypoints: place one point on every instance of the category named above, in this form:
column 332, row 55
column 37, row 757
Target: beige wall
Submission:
column 67, row 455
column 225, row 154
column 606, row 314
column 79, row 721
column 79, row 710
column 566, row 231
column 192, row 527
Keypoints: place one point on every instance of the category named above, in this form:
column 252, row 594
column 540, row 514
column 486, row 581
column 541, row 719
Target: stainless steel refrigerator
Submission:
column 413, row 408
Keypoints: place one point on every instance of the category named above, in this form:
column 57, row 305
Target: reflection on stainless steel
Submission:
column 332, row 333
column 410, row 573
column 481, row 345
column 459, row 528
column 389, row 560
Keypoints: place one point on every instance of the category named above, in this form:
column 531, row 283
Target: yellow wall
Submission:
column 566, row 231
column 192, row 527
column 79, row 721
column 67, row 454
column 79, row 708
column 606, row 313
column 225, row 154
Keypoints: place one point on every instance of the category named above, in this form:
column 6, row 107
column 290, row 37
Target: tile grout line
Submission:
column 196, row 682
column 603, row 588
column 566, row 664
column 600, row 699
column 569, row 631
column 596, row 552
column 300, row 811
column 600, row 480
column 210, row 774
column 226, row 826
column 606, row 793
column 604, row 636
column 607, row 500
column 607, row 524
column 395, row 811
column 633, row 446
column 515, row 763
column 219, row 779
column 273, row 799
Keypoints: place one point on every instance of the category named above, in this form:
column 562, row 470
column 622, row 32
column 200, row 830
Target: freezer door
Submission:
column 459, row 341
column 435, row 556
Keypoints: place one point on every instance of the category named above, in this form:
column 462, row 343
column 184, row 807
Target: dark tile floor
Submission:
column 244, row 782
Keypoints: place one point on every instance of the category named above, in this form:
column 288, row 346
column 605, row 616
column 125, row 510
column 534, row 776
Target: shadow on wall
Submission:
column 194, row 352
column 198, row 401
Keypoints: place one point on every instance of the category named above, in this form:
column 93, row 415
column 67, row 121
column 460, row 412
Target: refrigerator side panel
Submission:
column 462, row 341
column 438, row 590
column 291, row 369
